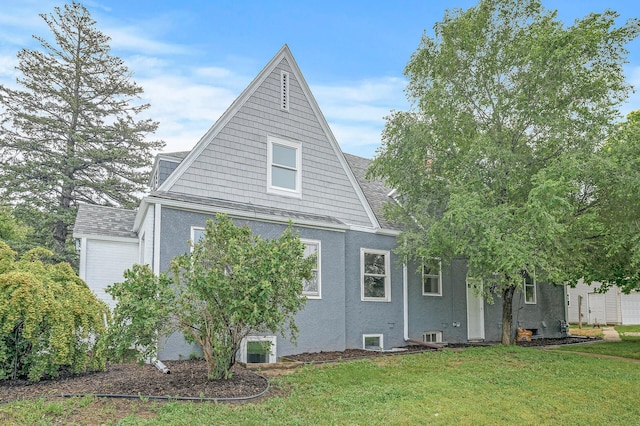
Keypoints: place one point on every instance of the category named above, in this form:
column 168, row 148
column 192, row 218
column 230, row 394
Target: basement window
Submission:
column 258, row 350
column 432, row 336
column 373, row 342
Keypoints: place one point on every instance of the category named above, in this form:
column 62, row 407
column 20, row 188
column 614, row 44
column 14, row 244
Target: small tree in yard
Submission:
column 49, row 318
column 511, row 106
column 233, row 283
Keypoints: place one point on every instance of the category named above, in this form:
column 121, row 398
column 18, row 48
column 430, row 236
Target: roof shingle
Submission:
column 104, row 221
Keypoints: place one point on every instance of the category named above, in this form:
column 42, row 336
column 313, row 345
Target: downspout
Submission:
column 157, row 214
column 405, row 301
column 566, row 304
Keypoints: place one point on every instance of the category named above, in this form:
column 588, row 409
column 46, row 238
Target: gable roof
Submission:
column 375, row 191
column 366, row 217
column 111, row 222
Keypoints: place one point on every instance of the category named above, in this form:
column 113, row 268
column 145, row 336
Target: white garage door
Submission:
column 630, row 305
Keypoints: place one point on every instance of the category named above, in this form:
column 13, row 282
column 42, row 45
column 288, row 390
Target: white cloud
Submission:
column 187, row 99
column 359, row 140
column 128, row 39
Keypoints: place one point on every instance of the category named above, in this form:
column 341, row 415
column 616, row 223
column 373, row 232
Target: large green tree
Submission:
column 509, row 105
column 232, row 284
column 69, row 133
column 611, row 253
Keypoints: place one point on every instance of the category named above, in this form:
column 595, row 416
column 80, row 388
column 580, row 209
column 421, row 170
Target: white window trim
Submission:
column 379, row 336
column 439, row 276
column 297, row 193
column 387, row 278
column 533, row 284
column 285, row 95
column 272, row 349
column 142, row 247
column 319, row 265
column 438, row 335
column 192, row 235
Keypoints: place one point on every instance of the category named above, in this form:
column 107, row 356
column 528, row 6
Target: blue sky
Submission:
column 193, row 57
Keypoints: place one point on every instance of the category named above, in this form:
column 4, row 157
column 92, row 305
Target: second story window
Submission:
column 284, row 167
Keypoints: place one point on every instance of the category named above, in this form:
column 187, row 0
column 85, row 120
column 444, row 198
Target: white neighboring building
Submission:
column 108, row 246
column 612, row 307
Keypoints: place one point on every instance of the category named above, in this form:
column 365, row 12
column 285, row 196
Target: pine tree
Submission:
column 69, row 133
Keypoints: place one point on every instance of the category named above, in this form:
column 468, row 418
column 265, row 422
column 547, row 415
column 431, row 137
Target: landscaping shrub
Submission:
column 49, row 318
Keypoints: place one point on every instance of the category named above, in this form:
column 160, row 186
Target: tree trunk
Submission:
column 507, row 315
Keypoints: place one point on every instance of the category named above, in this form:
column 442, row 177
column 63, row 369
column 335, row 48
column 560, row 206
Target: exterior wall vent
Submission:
column 284, row 90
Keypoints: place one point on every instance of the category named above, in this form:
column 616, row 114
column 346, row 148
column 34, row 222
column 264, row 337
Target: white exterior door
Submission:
column 597, row 308
column 475, row 315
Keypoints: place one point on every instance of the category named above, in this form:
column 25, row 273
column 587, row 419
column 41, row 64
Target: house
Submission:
column 611, row 307
column 271, row 158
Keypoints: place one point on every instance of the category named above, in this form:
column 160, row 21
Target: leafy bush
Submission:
column 232, row 284
column 49, row 318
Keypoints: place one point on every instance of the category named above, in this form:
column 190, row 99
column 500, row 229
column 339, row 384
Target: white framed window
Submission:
column 432, row 336
column 258, row 349
column 373, row 342
column 284, row 90
column 432, row 280
column 313, row 288
column 197, row 233
column 375, row 273
column 284, row 162
column 529, row 283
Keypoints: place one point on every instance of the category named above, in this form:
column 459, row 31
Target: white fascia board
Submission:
column 141, row 214
column 241, row 214
column 379, row 231
column 82, row 267
column 106, row 238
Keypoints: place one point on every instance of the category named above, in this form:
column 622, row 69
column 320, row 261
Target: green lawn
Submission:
column 475, row 386
column 622, row 329
column 629, row 347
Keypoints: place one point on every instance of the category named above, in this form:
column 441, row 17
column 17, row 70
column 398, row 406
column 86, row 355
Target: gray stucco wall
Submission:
column 321, row 323
column 339, row 320
column 543, row 317
column 439, row 313
column 366, row 317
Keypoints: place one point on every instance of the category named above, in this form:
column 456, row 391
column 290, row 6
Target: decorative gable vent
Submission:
column 284, row 90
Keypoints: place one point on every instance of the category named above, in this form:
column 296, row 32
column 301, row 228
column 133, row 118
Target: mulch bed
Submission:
column 351, row 354
column 188, row 379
